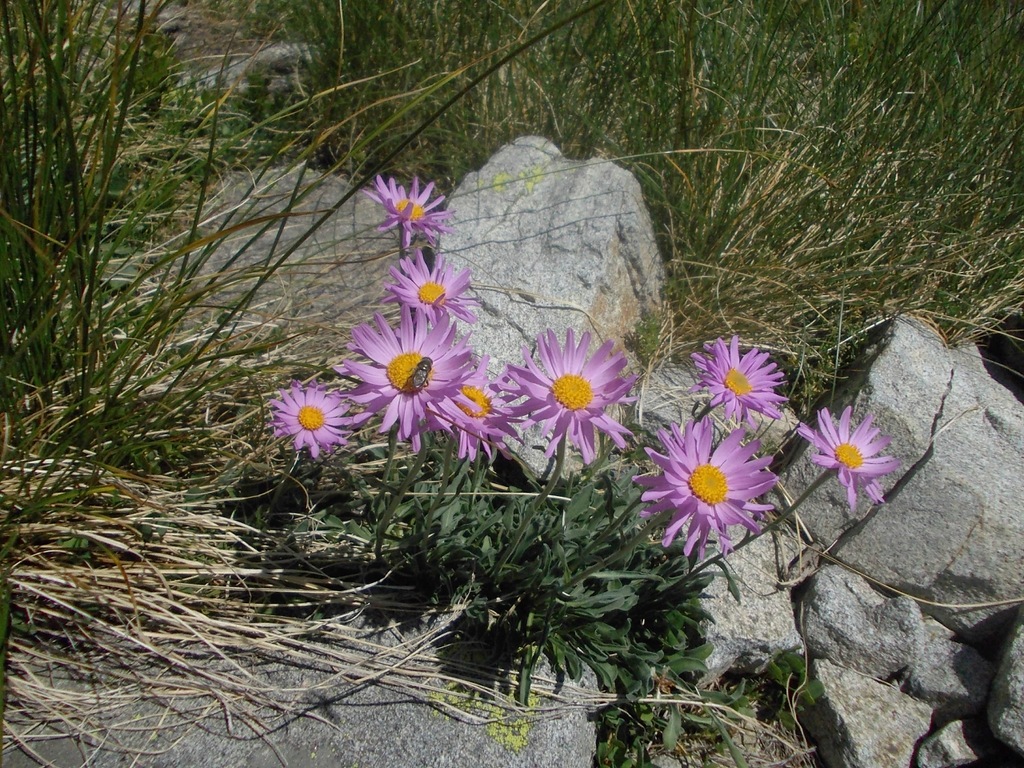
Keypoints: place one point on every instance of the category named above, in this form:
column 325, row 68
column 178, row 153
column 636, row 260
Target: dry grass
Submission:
column 134, row 593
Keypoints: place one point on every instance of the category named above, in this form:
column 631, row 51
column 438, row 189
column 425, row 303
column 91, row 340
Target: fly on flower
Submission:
column 408, row 371
column 420, row 373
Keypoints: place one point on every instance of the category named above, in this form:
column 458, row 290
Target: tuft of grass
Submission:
column 865, row 172
column 100, row 152
column 121, row 313
column 122, row 350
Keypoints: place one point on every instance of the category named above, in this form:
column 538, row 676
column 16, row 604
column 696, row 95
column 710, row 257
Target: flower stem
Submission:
column 428, row 518
column 535, row 506
column 392, row 443
column 801, row 498
column 556, row 474
column 287, row 479
column 703, row 412
column 396, row 498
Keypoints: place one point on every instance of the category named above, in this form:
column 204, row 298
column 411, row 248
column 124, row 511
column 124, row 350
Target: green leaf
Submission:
column 813, row 690
column 734, row 751
column 670, row 736
column 683, row 665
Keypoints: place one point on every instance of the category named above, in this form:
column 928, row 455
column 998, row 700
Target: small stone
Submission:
column 960, row 742
column 954, row 678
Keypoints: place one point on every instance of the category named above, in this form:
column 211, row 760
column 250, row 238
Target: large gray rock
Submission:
column 552, row 243
column 748, row 635
column 847, row 622
column 862, row 723
column 1006, row 702
column 953, row 534
column 273, row 712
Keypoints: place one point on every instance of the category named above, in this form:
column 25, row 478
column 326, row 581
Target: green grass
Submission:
column 812, row 170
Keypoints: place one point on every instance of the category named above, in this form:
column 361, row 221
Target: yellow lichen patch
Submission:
column 500, row 180
column 511, row 733
column 529, row 177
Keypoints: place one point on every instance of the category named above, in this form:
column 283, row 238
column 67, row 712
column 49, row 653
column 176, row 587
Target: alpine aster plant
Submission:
column 409, row 371
column 412, row 213
column 568, row 397
column 431, row 292
column 853, row 454
column 744, row 385
column 708, row 487
column 312, row 415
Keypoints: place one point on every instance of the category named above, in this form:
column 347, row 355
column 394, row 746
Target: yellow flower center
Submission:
column 708, row 484
column 849, row 455
column 737, row 382
column 400, row 370
column 572, row 391
column 310, row 417
column 482, row 401
column 417, row 209
column 430, row 292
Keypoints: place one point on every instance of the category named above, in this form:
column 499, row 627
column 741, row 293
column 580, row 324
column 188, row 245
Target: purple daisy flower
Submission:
column 409, row 371
column 313, row 415
column 743, row 384
column 486, row 423
column 853, row 454
column 431, row 292
column 569, row 399
column 712, row 489
column 412, row 213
